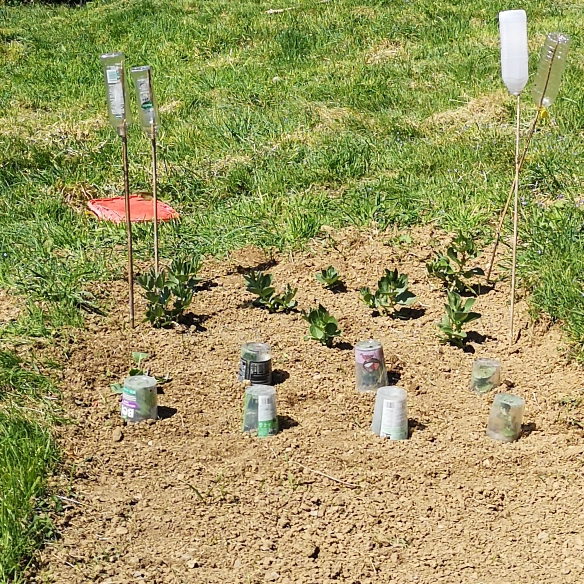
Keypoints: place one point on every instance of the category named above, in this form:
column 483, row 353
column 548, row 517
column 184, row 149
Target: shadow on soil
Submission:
column 164, row 412
column 393, row 377
column 258, row 268
column 407, row 313
column 343, row 346
column 195, row 320
column 478, row 338
column 404, row 313
column 415, row 426
column 339, row 289
column 206, row 286
column 286, row 422
column 527, row 429
column 279, row 376
column 479, row 290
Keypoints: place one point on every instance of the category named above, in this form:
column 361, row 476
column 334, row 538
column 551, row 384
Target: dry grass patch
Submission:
column 485, row 110
column 384, row 51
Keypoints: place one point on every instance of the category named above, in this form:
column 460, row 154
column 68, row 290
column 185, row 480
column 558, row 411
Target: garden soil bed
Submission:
column 191, row 499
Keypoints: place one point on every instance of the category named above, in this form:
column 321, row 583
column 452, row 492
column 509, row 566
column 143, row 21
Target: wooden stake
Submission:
column 515, row 223
column 124, row 137
column 506, row 207
column 527, row 141
column 155, row 198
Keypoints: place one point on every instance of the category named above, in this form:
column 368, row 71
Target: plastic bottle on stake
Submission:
column 514, row 55
column 114, row 76
column 551, row 66
column 147, row 106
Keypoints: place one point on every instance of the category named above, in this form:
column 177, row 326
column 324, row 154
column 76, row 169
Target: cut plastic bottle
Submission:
column 147, row 106
column 551, row 66
column 115, row 87
column 514, row 53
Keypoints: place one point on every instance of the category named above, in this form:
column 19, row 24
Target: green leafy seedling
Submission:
column 170, row 292
column 458, row 314
column 329, row 278
column 260, row 284
column 392, row 290
column 452, row 269
column 138, row 358
column 323, row 327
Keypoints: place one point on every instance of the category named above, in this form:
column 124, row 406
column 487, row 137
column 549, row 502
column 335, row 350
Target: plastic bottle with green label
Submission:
column 259, row 411
column 147, row 106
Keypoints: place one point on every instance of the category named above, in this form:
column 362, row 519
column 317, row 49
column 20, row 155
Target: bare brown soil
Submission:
column 191, row 499
column 9, row 310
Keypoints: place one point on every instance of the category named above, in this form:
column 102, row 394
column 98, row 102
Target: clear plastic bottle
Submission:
column 259, row 411
column 486, row 375
column 390, row 413
column 115, row 87
column 551, row 66
column 147, row 106
column 370, row 372
column 255, row 364
column 506, row 417
column 139, row 398
column 514, row 54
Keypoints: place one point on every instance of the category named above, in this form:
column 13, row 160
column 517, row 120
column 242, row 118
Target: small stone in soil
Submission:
column 117, row 435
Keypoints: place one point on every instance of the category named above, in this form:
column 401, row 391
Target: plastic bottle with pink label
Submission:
column 370, row 371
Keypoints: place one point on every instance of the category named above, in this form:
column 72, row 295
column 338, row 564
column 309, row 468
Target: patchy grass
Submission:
column 362, row 112
column 27, row 456
column 359, row 112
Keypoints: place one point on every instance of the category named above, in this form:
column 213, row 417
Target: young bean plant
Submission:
column 392, row 291
column 330, row 278
column 260, row 284
column 452, row 269
column 458, row 314
column 138, row 358
column 170, row 292
column 323, row 326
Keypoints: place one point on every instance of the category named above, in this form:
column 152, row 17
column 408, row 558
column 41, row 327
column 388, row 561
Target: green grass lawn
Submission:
column 370, row 112
column 27, row 456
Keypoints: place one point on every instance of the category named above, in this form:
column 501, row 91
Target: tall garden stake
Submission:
column 120, row 118
column 511, row 191
column 515, row 72
column 553, row 55
column 515, row 221
column 149, row 120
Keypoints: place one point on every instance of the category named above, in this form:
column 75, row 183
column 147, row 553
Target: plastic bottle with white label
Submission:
column 115, row 87
column 390, row 415
column 147, row 106
column 514, row 53
column 259, row 411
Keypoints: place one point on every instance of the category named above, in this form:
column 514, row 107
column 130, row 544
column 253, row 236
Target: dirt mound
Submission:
column 192, row 499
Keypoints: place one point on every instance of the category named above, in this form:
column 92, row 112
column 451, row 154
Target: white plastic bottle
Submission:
column 514, row 54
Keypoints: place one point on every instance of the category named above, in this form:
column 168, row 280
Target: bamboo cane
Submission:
column 506, row 207
column 515, row 222
column 155, row 197
column 128, row 221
